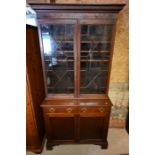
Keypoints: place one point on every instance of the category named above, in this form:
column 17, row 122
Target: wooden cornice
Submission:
column 87, row 8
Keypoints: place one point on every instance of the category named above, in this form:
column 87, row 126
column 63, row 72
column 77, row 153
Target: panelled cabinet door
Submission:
column 60, row 128
column 91, row 128
column 76, row 128
column 93, row 123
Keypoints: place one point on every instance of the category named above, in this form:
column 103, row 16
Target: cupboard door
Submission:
column 92, row 128
column 95, row 53
column 61, row 128
column 58, row 52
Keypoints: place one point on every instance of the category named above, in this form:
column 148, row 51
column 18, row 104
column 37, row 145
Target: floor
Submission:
column 118, row 140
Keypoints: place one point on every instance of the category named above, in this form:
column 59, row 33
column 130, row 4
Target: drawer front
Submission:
column 80, row 110
column 99, row 110
column 68, row 109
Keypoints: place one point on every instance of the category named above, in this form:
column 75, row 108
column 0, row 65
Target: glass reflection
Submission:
column 95, row 56
column 59, row 58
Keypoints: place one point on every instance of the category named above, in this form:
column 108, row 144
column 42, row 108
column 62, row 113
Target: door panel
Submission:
column 61, row 128
column 91, row 128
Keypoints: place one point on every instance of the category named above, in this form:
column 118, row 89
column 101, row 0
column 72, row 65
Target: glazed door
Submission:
column 59, row 55
column 95, row 52
column 76, row 56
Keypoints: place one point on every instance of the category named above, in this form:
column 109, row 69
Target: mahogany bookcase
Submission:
column 76, row 44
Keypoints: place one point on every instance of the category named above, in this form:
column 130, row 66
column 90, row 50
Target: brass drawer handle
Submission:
column 101, row 109
column 69, row 109
column 51, row 109
column 84, row 109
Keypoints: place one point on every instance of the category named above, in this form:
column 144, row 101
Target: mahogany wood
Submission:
column 34, row 92
column 111, row 50
column 77, row 118
column 76, row 66
column 82, row 8
column 55, row 15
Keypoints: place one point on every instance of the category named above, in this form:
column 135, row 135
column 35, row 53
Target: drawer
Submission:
column 98, row 109
column 68, row 109
column 81, row 109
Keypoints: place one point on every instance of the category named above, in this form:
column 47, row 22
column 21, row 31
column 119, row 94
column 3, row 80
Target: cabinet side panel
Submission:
column 31, row 130
column 35, row 76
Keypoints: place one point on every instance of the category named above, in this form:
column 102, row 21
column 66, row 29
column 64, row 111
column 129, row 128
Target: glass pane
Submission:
column 95, row 56
column 58, row 57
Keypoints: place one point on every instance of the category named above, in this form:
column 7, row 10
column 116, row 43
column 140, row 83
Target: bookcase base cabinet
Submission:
column 79, row 122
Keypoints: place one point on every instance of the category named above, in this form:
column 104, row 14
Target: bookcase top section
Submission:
column 102, row 8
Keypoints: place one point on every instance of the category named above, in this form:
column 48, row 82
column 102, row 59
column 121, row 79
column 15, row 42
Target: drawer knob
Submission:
column 101, row 109
column 84, row 109
column 51, row 109
column 69, row 109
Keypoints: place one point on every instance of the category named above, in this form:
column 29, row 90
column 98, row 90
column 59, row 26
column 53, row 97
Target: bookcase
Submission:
column 76, row 44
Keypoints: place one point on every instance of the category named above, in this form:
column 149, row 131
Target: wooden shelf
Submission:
column 65, row 88
column 85, row 51
column 81, row 87
column 94, row 41
column 63, row 60
column 83, row 70
column 83, row 60
column 94, row 60
column 66, row 51
column 67, row 41
column 83, row 41
column 47, row 70
column 95, row 51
